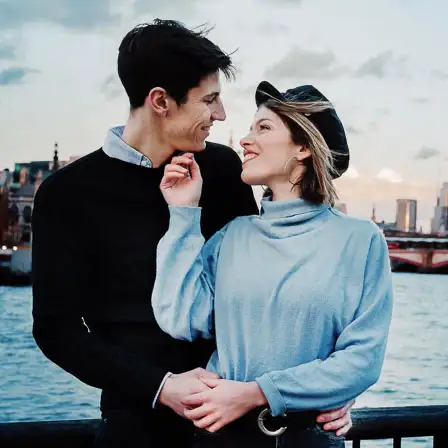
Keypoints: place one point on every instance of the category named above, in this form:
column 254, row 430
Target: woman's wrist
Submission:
column 185, row 204
column 255, row 395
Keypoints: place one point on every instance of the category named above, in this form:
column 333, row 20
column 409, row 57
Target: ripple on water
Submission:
column 414, row 372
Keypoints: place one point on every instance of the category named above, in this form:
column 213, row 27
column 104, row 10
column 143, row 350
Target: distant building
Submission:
column 386, row 226
column 342, row 207
column 406, row 220
column 373, row 217
column 5, row 181
column 444, row 195
column 439, row 223
column 17, row 191
column 383, row 225
column 230, row 144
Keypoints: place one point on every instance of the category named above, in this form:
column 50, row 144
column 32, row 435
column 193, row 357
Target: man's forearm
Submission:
column 94, row 362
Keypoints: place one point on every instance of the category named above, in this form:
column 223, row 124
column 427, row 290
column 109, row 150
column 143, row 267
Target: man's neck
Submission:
column 145, row 139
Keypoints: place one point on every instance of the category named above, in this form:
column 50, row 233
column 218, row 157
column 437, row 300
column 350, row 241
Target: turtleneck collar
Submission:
column 299, row 208
column 280, row 219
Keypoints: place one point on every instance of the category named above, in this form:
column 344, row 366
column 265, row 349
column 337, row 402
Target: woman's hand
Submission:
column 223, row 403
column 182, row 185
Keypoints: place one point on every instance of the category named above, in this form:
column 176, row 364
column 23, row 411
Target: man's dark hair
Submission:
column 166, row 54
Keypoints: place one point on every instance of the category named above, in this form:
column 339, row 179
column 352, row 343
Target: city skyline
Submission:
column 406, row 214
column 58, row 81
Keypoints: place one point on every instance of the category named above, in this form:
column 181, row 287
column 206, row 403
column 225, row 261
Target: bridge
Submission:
column 417, row 253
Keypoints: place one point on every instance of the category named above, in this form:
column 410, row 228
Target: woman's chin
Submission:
column 252, row 178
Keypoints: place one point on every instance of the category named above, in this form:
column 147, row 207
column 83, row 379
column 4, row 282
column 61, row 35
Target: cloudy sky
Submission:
column 383, row 64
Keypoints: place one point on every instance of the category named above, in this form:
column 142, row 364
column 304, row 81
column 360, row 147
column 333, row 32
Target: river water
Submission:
column 415, row 371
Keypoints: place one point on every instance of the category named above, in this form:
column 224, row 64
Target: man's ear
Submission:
column 158, row 101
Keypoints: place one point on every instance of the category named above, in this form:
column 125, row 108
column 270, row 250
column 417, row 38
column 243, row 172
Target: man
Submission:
column 96, row 226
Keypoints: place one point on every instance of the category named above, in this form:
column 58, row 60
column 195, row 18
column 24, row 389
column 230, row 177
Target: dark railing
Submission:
column 400, row 423
column 369, row 424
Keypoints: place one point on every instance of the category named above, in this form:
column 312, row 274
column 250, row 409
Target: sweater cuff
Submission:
column 186, row 214
column 154, row 403
column 273, row 396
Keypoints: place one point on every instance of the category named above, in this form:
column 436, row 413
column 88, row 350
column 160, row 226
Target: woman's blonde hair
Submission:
column 316, row 184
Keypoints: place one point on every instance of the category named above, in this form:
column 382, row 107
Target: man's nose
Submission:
column 219, row 113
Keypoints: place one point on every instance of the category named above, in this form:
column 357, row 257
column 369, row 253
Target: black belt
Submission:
column 261, row 419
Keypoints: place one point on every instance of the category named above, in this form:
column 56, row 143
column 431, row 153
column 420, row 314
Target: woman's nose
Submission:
column 246, row 141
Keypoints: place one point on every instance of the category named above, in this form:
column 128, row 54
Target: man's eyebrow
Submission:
column 212, row 95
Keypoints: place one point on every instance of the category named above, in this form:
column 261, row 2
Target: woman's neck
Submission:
column 284, row 192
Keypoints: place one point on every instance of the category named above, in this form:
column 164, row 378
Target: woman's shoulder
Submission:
column 240, row 224
column 363, row 226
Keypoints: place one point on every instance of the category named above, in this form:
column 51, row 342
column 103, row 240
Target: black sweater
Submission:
column 96, row 226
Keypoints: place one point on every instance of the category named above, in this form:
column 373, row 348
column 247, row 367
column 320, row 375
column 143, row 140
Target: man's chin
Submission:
column 198, row 146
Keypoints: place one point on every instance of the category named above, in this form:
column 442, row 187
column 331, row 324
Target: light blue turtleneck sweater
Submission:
column 299, row 299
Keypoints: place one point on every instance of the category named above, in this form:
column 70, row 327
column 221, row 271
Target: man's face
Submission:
column 187, row 126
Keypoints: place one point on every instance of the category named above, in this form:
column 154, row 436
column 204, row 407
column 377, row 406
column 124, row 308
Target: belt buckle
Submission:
column 260, row 421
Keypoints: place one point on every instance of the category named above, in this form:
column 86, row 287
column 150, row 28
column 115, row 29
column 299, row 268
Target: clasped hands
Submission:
column 211, row 402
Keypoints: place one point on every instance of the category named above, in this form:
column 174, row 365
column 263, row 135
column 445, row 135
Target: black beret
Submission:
column 327, row 121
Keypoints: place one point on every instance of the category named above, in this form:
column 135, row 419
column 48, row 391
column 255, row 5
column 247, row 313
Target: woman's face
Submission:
column 267, row 149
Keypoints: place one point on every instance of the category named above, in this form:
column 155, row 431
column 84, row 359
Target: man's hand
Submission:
column 178, row 387
column 339, row 420
column 223, row 403
column 227, row 401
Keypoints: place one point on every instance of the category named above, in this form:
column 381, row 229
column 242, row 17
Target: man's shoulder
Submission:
column 219, row 156
column 70, row 176
column 219, row 151
column 217, row 146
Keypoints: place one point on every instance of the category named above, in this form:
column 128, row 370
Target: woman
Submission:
column 298, row 298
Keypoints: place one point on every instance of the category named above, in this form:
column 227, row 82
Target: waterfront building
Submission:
column 406, row 220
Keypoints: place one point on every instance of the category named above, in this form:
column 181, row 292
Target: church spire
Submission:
column 373, row 218
column 231, row 140
column 55, row 158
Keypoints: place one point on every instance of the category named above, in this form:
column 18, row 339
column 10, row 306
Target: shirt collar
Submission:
column 115, row 147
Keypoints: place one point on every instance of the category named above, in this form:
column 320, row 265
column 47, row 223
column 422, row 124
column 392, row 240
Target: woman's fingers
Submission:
column 196, row 413
column 195, row 172
column 215, row 426
column 175, row 169
column 170, row 179
column 172, row 176
column 207, row 421
column 182, row 160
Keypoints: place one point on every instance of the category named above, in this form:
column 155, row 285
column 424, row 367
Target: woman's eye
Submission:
column 264, row 127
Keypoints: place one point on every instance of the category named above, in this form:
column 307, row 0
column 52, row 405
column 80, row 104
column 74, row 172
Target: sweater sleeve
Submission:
column 62, row 279
column 356, row 363
column 183, row 294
